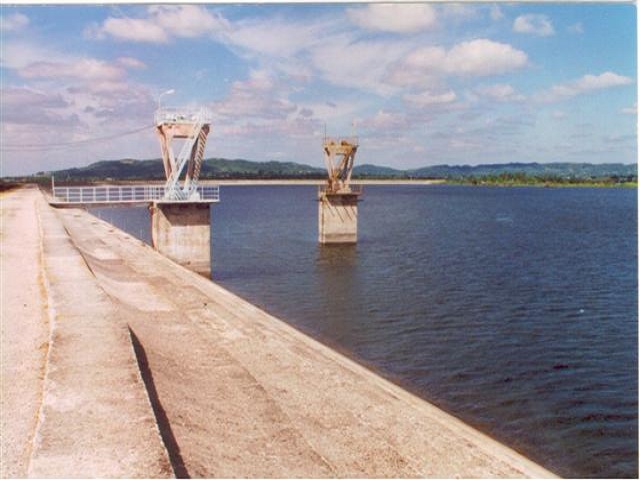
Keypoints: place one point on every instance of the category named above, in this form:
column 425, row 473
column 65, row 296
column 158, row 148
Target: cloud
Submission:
column 13, row 23
column 481, row 57
column 131, row 29
column 533, row 24
column 363, row 65
column 260, row 96
column 16, row 55
column 162, row 23
column 396, row 18
column 484, row 57
column 276, row 37
column 81, row 69
column 131, row 62
column 500, row 92
column 22, row 105
column 576, row 28
column 187, row 20
column 385, row 121
column 24, row 96
column 429, row 98
column 586, row 84
column 633, row 110
column 459, row 11
column 496, row 13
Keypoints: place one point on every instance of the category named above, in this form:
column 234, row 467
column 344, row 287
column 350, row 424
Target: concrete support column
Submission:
column 182, row 232
column 337, row 218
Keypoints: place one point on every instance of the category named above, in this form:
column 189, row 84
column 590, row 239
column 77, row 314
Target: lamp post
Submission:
column 168, row 92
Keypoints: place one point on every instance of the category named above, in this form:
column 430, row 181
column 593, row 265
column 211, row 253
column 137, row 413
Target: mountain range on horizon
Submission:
column 221, row 168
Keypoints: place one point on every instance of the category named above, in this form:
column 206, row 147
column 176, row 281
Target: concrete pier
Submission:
column 150, row 370
column 182, row 232
column 337, row 218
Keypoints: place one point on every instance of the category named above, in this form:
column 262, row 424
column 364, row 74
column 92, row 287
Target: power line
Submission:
column 9, row 147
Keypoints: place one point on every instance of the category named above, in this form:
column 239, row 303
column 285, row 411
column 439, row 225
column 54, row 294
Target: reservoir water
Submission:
column 515, row 309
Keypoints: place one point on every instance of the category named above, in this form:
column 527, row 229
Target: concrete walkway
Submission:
column 24, row 329
column 234, row 391
column 91, row 416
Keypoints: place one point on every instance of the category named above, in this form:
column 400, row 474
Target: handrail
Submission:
column 182, row 115
column 126, row 194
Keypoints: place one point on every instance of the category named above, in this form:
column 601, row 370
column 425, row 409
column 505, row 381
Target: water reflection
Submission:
column 336, row 267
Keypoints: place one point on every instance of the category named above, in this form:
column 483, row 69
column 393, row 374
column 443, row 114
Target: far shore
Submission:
column 321, row 182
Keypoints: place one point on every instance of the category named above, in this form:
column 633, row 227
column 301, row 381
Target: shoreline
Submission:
column 244, row 393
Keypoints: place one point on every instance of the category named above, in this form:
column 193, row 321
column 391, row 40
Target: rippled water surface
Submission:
column 513, row 308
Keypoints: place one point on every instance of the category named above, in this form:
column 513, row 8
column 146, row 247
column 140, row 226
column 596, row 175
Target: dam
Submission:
column 119, row 362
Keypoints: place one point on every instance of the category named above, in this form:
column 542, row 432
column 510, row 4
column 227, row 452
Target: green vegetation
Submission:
column 522, row 179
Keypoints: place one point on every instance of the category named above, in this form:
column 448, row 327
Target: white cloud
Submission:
column 260, row 96
column 162, row 23
column 385, row 120
column 16, row 55
column 479, row 57
column 13, row 23
column 500, row 92
column 587, row 83
column 484, row 57
column 82, row 69
column 429, row 98
column 396, row 18
column 131, row 62
column 533, row 24
column 133, row 29
column 340, row 113
column 276, row 37
column 361, row 65
column 187, row 20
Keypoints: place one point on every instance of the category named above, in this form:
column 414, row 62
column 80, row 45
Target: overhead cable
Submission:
column 14, row 147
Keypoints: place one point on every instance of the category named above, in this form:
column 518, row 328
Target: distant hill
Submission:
column 129, row 169
column 562, row 170
column 220, row 168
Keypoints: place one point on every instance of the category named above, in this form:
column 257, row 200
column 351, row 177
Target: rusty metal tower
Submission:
column 339, row 156
column 337, row 200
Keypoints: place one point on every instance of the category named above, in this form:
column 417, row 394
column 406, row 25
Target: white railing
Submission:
column 127, row 194
column 182, row 115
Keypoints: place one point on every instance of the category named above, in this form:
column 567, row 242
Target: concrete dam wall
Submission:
column 144, row 368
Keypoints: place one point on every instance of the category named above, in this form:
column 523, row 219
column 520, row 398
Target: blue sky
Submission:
column 420, row 84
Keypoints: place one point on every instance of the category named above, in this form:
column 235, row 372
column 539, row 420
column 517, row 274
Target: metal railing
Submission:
column 182, row 115
column 128, row 194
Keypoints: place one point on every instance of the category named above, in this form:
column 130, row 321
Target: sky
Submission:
column 419, row 84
